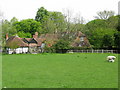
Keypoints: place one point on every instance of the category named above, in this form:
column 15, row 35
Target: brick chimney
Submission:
column 36, row 35
column 7, row 36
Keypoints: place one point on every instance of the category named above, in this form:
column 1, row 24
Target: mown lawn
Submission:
column 59, row 71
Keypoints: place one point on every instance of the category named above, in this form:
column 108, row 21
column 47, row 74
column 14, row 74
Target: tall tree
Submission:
column 51, row 21
column 41, row 15
column 7, row 27
column 96, row 30
column 58, row 20
column 104, row 14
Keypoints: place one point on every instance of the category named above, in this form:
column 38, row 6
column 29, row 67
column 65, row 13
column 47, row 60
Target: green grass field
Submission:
column 59, row 71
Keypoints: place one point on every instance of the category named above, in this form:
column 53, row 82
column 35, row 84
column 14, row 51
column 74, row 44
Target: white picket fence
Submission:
column 92, row 51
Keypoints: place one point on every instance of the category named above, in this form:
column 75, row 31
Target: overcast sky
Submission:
column 24, row 9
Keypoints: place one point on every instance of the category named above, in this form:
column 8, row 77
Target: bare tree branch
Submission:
column 104, row 14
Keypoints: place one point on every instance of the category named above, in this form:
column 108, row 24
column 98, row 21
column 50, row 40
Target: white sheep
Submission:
column 111, row 58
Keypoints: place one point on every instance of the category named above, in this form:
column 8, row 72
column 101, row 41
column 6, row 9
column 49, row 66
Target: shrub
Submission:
column 80, row 48
column 61, row 46
column 49, row 49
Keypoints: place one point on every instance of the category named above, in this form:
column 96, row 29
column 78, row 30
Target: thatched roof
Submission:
column 16, row 40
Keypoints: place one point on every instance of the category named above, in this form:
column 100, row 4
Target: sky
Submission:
column 24, row 9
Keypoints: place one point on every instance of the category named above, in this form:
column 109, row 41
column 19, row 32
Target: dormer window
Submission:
column 81, row 38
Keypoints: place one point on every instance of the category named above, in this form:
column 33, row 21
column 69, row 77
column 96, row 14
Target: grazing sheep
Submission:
column 111, row 58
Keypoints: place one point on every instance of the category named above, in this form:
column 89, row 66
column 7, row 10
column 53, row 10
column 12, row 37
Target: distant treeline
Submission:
column 102, row 32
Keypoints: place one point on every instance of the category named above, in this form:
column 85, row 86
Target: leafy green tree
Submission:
column 98, row 34
column 61, row 46
column 117, row 40
column 24, row 35
column 113, row 22
column 52, row 22
column 7, row 27
column 98, row 28
column 118, row 27
column 117, row 35
column 92, row 29
column 28, row 26
column 108, row 41
column 92, row 25
column 41, row 15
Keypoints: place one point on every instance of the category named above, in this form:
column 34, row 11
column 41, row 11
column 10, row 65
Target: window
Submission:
column 81, row 38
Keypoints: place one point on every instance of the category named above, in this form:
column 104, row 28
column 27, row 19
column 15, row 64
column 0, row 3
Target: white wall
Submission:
column 25, row 49
column 18, row 50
